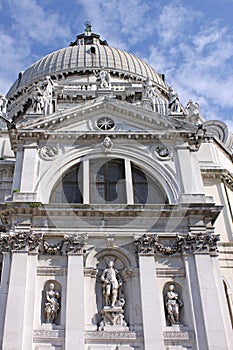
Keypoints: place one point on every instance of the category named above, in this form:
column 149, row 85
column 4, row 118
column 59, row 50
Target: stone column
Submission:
column 86, row 182
column 213, row 318
column 16, row 302
column 30, row 301
column 74, row 334
column 151, row 310
column 6, row 264
column 129, row 182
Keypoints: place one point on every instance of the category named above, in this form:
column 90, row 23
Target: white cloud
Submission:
column 33, row 22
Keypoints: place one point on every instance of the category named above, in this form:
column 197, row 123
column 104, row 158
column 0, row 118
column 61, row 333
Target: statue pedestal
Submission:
column 113, row 319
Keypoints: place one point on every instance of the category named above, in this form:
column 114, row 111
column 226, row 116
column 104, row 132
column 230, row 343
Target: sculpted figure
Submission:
column 111, row 285
column 103, row 79
column 174, row 104
column 192, row 108
column 47, row 88
column 173, row 304
column 38, row 100
column 3, row 103
column 52, row 305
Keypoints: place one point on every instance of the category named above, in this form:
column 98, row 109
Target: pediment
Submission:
column 125, row 116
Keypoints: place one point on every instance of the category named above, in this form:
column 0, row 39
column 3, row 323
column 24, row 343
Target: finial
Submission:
column 88, row 26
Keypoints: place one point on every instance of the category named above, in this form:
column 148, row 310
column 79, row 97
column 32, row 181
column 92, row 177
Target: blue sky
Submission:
column 190, row 41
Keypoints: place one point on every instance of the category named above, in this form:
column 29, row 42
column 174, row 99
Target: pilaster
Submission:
column 29, row 167
column 6, row 264
column 16, row 302
column 213, row 318
column 74, row 334
column 151, row 311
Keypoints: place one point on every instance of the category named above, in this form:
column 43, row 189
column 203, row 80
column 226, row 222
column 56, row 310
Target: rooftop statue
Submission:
column 3, row 104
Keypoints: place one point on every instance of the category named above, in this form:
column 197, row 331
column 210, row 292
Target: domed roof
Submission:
column 87, row 53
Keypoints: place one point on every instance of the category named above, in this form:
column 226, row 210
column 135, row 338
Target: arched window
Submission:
column 113, row 181
column 68, row 190
column 107, row 181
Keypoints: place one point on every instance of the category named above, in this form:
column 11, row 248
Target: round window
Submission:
column 105, row 123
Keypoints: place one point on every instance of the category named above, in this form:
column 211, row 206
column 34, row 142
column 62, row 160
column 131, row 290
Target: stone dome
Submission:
column 87, row 53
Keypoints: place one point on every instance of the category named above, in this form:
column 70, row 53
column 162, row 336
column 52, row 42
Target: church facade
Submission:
column 116, row 209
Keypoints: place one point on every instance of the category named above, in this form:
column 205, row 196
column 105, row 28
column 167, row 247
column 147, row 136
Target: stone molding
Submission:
column 111, row 335
column 35, row 242
column 189, row 243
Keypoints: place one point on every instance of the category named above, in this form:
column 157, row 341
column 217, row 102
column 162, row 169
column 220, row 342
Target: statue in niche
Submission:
column 173, row 304
column 103, row 79
column 174, row 103
column 3, row 103
column 52, row 305
column 112, row 313
column 112, row 284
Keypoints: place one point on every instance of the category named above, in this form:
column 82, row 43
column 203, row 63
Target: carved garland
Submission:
column 30, row 241
column 189, row 243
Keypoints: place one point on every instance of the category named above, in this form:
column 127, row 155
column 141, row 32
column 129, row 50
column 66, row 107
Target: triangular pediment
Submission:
column 125, row 116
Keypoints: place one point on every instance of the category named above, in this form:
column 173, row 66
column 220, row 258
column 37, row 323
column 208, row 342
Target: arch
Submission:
column 127, row 257
column 228, row 296
column 164, row 175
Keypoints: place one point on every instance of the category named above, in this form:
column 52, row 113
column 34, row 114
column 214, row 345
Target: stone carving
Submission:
column 103, row 79
column 20, row 241
column 112, row 313
column 42, row 94
column 155, row 102
column 192, row 108
column 173, row 304
column 47, row 88
column 52, row 305
column 189, row 243
column 53, row 249
column 69, row 244
column 111, row 335
column 75, row 243
column 196, row 140
column 174, row 103
column 37, row 100
column 107, row 144
column 49, row 152
column 145, row 244
column 3, row 104
column 163, row 152
column 48, row 333
column 112, row 284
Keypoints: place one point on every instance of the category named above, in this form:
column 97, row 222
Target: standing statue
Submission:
column 173, row 304
column 174, row 103
column 3, row 103
column 112, row 284
column 47, row 88
column 103, row 79
column 37, row 100
column 52, row 305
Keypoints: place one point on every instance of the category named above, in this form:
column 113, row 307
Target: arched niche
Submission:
column 44, row 301
column 125, row 262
